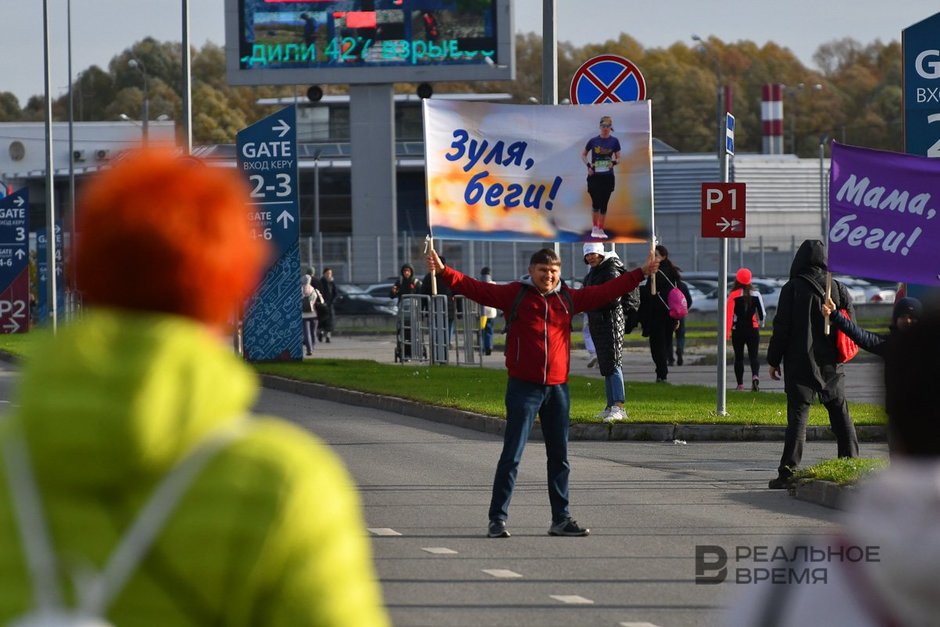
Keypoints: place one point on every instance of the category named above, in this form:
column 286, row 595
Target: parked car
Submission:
column 875, row 291
column 381, row 290
column 856, row 288
column 355, row 301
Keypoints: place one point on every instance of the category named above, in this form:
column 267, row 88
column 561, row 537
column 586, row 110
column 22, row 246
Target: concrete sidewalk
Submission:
column 863, row 375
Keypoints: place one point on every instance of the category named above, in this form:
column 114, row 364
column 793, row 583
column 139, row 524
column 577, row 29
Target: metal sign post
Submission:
column 14, row 262
column 267, row 155
column 725, row 159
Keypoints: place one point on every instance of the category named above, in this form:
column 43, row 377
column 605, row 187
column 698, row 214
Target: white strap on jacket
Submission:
column 96, row 595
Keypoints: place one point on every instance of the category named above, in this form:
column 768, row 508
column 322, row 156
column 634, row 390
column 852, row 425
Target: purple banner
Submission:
column 883, row 217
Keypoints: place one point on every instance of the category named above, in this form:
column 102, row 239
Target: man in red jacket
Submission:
column 538, row 345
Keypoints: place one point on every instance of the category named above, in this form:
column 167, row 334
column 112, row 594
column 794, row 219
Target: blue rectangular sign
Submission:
column 921, row 54
column 14, row 262
column 42, row 275
column 267, row 156
column 920, row 50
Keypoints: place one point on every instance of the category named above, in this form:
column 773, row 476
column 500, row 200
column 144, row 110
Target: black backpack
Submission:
column 305, row 304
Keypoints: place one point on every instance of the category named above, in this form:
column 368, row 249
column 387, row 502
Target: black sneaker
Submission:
column 497, row 529
column 568, row 527
column 780, row 483
column 679, row 361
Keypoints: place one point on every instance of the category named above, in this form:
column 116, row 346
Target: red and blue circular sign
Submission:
column 607, row 78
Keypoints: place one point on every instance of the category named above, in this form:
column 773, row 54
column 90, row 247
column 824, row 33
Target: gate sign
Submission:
column 921, row 54
column 42, row 275
column 723, row 210
column 14, row 262
column 267, row 156
column 607, row 78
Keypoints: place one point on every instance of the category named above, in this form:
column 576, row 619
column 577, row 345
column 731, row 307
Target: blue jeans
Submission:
column 613, row 383
column 487, row 335
column 524, row 401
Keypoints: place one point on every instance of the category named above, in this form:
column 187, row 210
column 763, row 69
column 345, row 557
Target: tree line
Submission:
column 855, row 97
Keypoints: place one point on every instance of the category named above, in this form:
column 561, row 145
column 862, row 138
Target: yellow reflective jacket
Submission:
column 271, row 531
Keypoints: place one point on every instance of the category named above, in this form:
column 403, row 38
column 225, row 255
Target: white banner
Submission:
column 539, row 173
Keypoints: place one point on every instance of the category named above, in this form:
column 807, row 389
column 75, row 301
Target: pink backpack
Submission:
column 675, row 302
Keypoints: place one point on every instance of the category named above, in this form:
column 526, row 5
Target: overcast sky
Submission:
column 103, row 28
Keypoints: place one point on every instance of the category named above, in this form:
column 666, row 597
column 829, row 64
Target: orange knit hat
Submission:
column 743, row 276
column 163, row 232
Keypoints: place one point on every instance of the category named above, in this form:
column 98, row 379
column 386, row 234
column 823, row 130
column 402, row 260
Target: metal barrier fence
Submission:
column 426, row 334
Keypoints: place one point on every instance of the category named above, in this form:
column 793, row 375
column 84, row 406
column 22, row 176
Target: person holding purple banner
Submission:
column 799, row 343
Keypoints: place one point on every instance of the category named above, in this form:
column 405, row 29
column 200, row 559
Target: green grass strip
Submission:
column 482, row 390
column 843, row 471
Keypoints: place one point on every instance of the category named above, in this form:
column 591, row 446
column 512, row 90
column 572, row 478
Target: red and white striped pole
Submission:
column 771, row 114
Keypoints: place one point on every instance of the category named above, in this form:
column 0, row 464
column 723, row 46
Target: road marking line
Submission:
column 572, row 599
column 638, row 625
column 439, row 550
column 501, row 572
column 382, row 531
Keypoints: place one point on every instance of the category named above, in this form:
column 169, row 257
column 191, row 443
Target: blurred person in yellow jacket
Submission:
column 269, row 531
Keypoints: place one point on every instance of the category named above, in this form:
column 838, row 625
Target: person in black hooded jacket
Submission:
column 808, row 357
column 406, row 283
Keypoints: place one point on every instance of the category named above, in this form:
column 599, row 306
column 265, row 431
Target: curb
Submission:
column 632, row 431
column 825, row 493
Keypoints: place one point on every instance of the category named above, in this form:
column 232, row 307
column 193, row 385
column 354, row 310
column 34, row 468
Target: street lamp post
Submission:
column 145, row 113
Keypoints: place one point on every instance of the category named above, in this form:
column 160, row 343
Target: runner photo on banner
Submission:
column 883, row 215
column 539, row 172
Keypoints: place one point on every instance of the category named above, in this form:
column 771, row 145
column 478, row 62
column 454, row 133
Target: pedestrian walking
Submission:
column 310, row 300
column 327, row 314
column 745, row 317
column 658, row 323
column 539, row 310
column 809, row 358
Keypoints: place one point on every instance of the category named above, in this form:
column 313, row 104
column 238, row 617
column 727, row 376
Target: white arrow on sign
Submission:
column 12, row 326
column 19, row 201
column 285, row 217
column 734, row 225
column 281, row 126
column 19, row 253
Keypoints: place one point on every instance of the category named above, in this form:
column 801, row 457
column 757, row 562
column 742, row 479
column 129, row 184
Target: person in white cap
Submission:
column 607, row 328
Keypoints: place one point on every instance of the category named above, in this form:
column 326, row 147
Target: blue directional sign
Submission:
column 729, row 134
column 921, row 54
column 607, row 78
column 267, row 156
column 14, row 262
column 921, row 69
column 42, row 275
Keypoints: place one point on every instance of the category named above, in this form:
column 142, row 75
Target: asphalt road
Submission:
column 426, row 489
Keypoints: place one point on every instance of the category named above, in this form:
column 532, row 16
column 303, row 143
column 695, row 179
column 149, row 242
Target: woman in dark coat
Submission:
column 658, row 325
column 808, row 355
column 607, row 328
column 327, row 316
